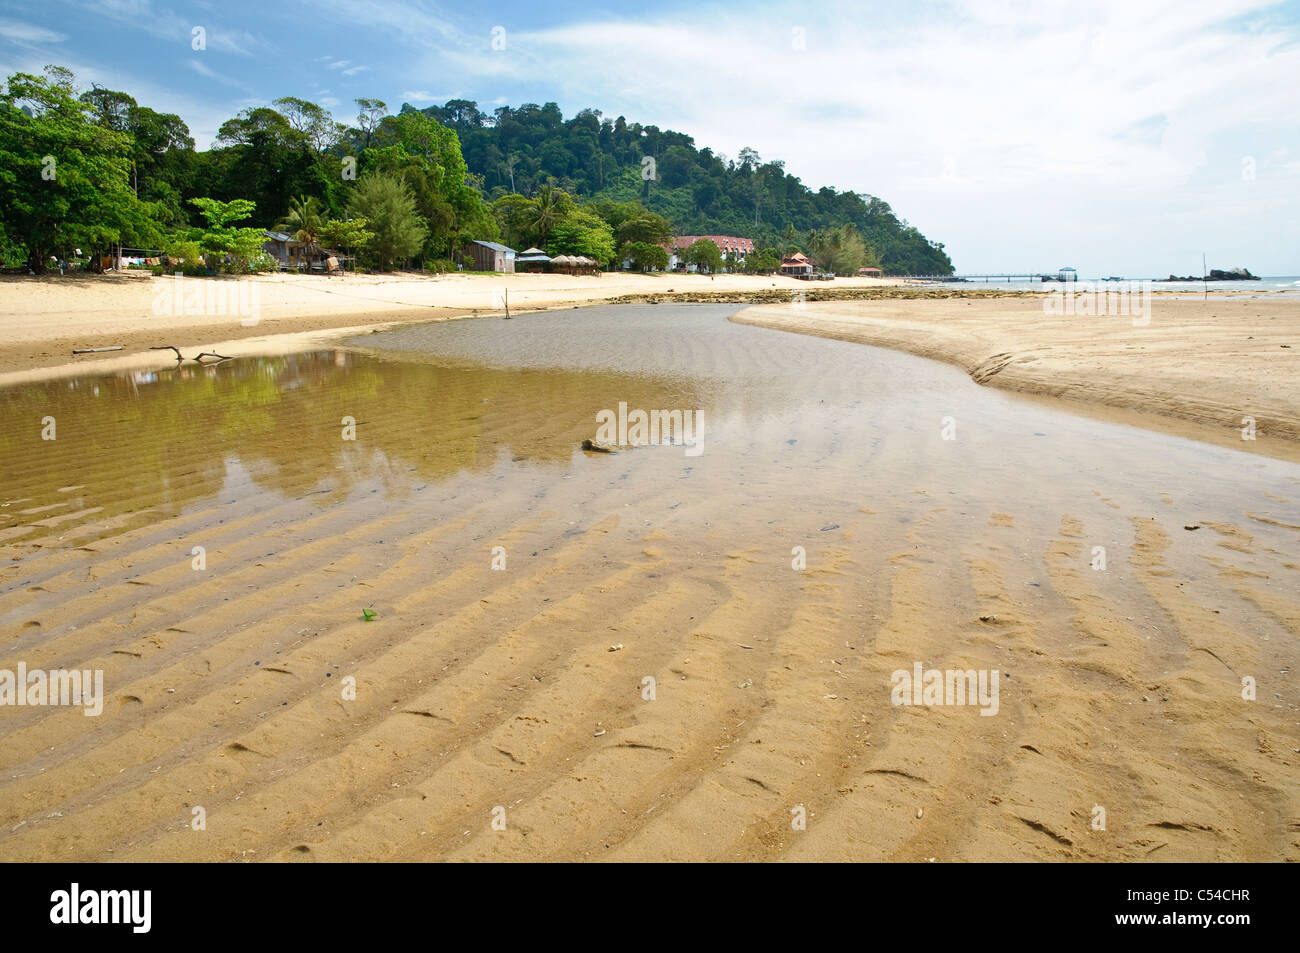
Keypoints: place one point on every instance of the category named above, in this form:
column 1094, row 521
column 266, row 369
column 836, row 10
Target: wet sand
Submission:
column 478, row 688
column 1214, row 363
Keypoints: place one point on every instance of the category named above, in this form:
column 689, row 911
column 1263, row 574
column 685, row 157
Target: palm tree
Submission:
column 791, row 239
column 304, row 221
column 545, row 211
column 815, row 242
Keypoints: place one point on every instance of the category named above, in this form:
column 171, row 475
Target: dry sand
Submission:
column 1211, row 362
column 43, row 319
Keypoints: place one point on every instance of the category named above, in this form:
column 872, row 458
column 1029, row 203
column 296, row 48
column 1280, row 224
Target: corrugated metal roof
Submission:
column 495, row 246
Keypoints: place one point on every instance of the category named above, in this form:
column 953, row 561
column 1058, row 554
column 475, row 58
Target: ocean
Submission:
column 1278, row 283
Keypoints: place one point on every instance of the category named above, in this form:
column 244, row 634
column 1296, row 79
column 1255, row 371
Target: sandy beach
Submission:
column 209, row 539
column 45, row 319
column 1208, row 363
column 1212, row 362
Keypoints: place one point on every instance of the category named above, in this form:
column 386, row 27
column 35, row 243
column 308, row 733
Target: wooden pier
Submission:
column 1004, row 276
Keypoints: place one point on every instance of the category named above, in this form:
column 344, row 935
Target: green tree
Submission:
column 763, row 262
column 789, row 240
column 222, row 214
column 583, row 233
column 645, row 256
column 370, row 112
column 839, row 250
column 347, row 235
column 645, row 227
column 221, row 239
column 304, row 221
column 389, row 209
column 549, row 207
column 514, row 214
column 426, row 154
column 704, row 255
column 65, row 180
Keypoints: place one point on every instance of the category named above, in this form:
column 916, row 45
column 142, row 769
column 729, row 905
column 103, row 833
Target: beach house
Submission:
column 796, row 265
column 489, row 256
column 293, row 254
column 727, row 244
column 532, row 259
column 283, row 247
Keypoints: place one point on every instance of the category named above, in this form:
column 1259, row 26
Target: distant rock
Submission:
column 1218, row 274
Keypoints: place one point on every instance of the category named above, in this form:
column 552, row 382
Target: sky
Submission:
column 1119, row 137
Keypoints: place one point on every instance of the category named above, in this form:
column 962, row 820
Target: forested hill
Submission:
column 85, row 173
column 515, row 150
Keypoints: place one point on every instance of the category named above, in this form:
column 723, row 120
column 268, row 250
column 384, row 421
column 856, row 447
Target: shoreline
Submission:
column 1158, row 377
column 43, row 319
column 1181, row 374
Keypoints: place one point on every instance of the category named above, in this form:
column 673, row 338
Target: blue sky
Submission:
column 1119, row 137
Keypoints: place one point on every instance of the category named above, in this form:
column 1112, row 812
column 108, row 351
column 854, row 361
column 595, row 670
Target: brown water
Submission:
column 479, row 688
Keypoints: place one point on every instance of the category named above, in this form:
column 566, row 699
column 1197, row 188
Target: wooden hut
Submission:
column 532, row 259
column 489, row 256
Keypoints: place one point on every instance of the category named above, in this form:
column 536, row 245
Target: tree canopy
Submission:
column 516, row 149
column 95, row 169
column 65, row 180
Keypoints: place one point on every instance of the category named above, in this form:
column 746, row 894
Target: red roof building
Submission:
column 727, row 244
column 796, row 264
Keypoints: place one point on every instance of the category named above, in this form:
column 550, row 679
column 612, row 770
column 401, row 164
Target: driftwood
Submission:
column 197, row 358
column 96, row 350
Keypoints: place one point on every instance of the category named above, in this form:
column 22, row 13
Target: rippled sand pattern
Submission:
column 524, row 689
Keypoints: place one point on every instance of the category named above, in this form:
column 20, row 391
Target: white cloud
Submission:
column 1010, row 131
column 207, row 72
column 423, row 96
column 166, row 24
column 28, row 33
column 1028, row 133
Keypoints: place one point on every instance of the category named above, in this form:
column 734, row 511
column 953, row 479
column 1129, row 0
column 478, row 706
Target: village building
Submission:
column 489, row 256
column 284, row 248
column 729, row 245
column 532, row 259
column 870, row 272
column 796, row 265
column 295, row 255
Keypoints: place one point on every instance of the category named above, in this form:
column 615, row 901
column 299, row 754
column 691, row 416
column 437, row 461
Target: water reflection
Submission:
column 156, row 442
